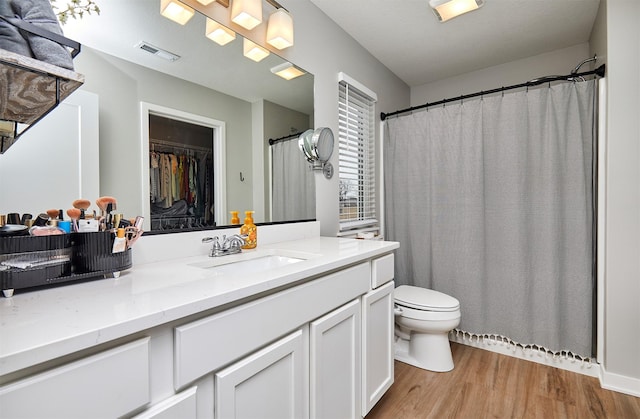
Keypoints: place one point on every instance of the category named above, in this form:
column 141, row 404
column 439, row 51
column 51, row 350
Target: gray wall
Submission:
column 515, row 72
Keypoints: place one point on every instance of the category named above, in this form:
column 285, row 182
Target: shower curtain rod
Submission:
column 600, row 71
column 286, row 137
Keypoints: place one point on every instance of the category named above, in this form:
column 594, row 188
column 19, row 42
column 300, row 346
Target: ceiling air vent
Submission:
column 169, row 56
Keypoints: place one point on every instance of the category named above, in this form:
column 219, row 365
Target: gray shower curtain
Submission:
column 293, row 183
column 491, row 201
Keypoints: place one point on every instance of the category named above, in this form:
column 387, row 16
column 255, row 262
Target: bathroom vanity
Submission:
column 295, row 329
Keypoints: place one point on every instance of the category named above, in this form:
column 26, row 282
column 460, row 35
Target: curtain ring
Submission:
column 481, row 95
column 461, row 99
column 502, row 90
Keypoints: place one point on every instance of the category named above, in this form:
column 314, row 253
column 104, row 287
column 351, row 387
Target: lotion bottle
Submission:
column 119, row 242
column 234, row 217
column 250, row 230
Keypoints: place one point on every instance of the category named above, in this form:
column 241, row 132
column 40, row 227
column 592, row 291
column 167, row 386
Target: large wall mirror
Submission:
column 208, row 82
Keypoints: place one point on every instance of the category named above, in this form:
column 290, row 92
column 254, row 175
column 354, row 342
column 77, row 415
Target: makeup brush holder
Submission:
column 31, row 261
column 40, row 261
column 93, row 253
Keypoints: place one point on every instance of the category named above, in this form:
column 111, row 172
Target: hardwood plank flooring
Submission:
column 486, row 384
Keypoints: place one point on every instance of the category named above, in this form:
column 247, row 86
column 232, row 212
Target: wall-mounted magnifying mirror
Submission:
column 317, row 147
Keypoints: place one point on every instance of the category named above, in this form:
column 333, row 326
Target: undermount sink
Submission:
column 246, row 263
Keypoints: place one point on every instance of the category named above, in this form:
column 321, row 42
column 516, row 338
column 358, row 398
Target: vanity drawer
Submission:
column 382, row 270
column 208, row 344
column 109, row 384
column 182, row 405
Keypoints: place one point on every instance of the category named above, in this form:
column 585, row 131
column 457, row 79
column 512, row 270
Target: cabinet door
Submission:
column 335, row 363
column 378, row 341
column 272, row 383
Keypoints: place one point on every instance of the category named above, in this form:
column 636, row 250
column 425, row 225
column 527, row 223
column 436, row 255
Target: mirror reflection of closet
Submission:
column 183, row 176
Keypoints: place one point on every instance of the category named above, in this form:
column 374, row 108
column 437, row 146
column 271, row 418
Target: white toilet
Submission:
column 424, row 319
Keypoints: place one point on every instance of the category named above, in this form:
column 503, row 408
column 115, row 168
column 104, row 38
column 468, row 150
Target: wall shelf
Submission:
column 29, row 90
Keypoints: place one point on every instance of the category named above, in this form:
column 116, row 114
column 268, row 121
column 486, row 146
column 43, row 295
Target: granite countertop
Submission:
column 37, row 326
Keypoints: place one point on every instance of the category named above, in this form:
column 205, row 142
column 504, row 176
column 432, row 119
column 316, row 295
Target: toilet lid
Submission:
column 425, row 299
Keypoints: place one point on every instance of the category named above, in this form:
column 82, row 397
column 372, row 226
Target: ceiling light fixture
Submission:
column 254, row 51
column 280, row 29
column 176, row 11
column 246, row 13
column 287, row 71
column 218, row 33
column 448, row 9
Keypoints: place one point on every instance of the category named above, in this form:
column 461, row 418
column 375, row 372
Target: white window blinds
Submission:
column 357, row 158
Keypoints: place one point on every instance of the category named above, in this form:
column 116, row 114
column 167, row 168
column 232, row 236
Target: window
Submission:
column 356, row 133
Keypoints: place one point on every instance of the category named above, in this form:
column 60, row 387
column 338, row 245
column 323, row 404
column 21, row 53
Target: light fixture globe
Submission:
column 254, row 51
column 287, row 71
column 280, row 29
column 218, row 33
column 176, row 11
column 246, row 13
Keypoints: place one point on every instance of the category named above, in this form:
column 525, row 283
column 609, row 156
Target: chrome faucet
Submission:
column 230, row 245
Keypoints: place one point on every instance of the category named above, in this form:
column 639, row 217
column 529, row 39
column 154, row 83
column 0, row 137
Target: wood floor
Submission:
column 485, row 384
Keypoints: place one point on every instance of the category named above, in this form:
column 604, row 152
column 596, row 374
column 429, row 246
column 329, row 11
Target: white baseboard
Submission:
column 619, row 383
column 581, row 367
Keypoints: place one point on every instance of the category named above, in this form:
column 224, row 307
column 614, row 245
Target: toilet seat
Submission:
column 419, row 298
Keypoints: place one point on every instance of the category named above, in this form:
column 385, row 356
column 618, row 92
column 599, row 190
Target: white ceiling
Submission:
column 407, row 38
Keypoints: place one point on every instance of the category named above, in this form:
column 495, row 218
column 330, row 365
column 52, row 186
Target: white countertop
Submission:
column 37, row 326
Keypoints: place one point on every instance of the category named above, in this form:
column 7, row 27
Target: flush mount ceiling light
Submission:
column 218, row 33
column 176, row 11
column 246, row 13
column 287, row 71
column 254, row 51
column 280, row 29
column 448, row 9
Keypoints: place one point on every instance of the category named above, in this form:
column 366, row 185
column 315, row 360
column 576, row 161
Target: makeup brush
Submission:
column 53, row 213
column 104, row 201
column 74, row 214
column 82, row 205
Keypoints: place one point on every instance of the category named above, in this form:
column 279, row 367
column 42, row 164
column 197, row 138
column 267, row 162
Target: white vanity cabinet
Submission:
column 318, row 347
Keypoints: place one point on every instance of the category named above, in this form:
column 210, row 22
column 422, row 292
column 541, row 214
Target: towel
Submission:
column 10, row 38
column 40, row 13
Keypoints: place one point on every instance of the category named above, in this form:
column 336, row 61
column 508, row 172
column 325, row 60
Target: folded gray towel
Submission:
column 40, row 13
column 10, row 38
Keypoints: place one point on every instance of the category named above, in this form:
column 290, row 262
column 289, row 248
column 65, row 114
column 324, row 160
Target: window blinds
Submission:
column 357, row 158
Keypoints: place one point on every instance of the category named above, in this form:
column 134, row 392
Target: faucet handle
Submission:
column 215, row 240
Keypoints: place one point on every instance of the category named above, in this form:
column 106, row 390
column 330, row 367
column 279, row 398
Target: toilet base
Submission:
column 425, row 351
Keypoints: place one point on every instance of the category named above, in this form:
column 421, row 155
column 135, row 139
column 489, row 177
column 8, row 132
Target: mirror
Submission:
column 208, row 80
